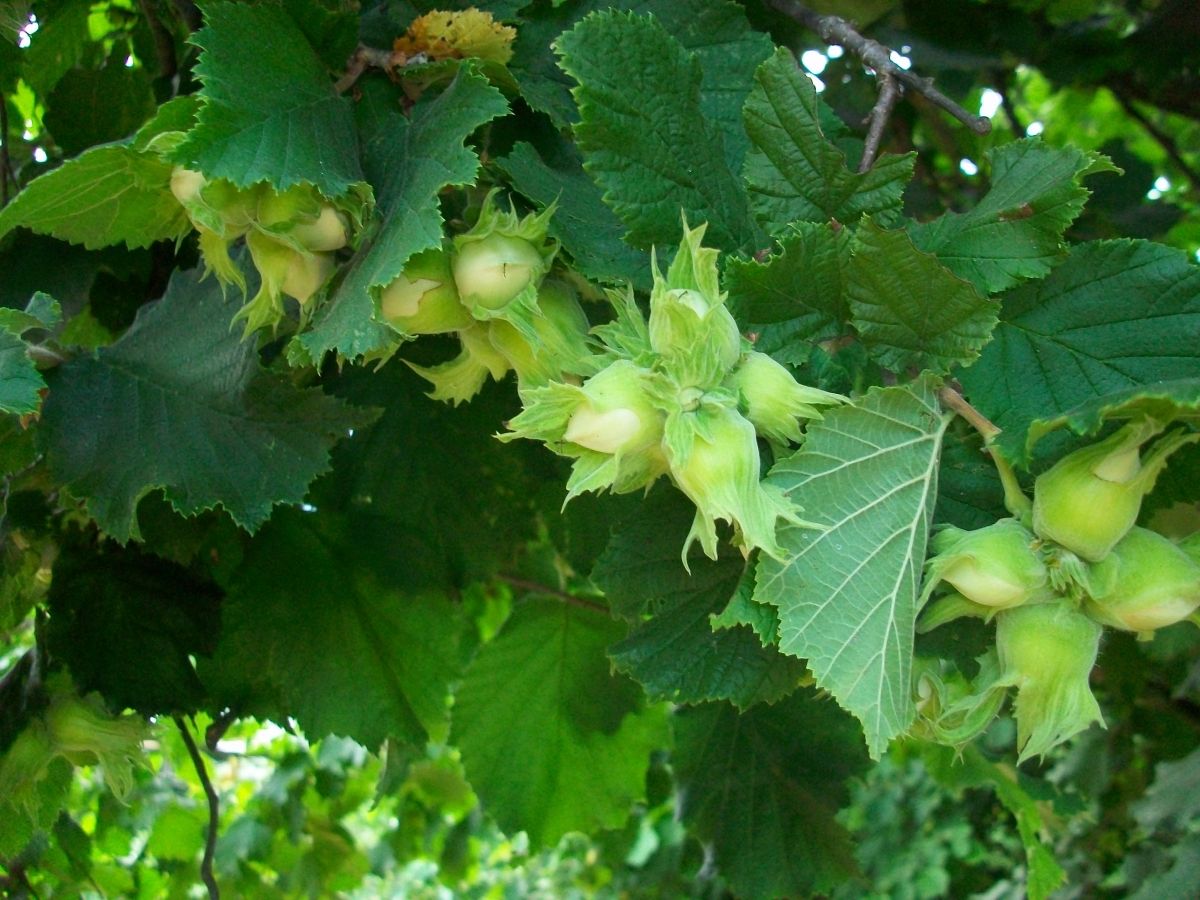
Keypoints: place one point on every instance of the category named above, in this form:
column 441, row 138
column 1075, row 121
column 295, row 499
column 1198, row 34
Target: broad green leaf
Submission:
column 21, row 384
column 793, row 172
column 676, row 654
column 315, row 628
column 125, row 624
column 911, row 311
column 58, row 45
column 1015, row 232
column 270, row 110
column 743, row 609
column 124, row 94
column 108, row 195
column 717, row 31
column 588, row 229
column 456, row 500
column 1114, row 315
column 847, row 595
column 763, row 788
column 802, row 284
column 551, row 740
column 969, row 491
column 180, row 403
column 408, row 160
column 650, row 163
column 1166, row 401
column 957, row 770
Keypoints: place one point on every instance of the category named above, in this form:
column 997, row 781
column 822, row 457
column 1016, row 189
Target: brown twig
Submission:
column 1164, row 140
column 164, row 41
column 835, row 30
column 535, row 587
column 214, row 811
column 375, row 58
column 881, row 112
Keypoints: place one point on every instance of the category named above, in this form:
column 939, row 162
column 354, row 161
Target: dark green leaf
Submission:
column 1115, row 315
column 122, row 92
column 910, row 310
column 314, row 627
column 793, row 172
column 763, row 787
column 1015, row 232
column 649, row 163
column 125, row 623
column 270, row 110
column 180, row 403
column 1166, row 401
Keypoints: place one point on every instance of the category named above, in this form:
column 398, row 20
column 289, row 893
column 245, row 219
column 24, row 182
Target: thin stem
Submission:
column 1015, row 499
column 881, row 112
column 535, row 587
column 214, row 811
column 834, row 30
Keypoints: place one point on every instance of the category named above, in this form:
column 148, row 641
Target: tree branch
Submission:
column 834, row 30
column 214, row 811
column 535, row 587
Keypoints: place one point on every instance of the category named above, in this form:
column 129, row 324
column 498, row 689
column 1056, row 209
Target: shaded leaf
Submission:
column 180, row 403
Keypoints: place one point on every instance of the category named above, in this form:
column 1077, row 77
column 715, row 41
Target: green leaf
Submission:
column 909, row 309
column 270, row 110
column 676, row 654
column 970, row 495
column 21, row 384
column 1115, row 315
column 108, row 195
column 802, row 284
column 1171, row 802
column 847, row 596
column 588, row 229
column 1015, row 232
column 1166, row 401
column 123, row 93
column 408, row 160
column 649, row 163
column 551, row 740
column 125, row 623
column 180, row 403
column 456, row 500
column 793, row 172
column 315, row 628
column 763, row 788
column 957, row 770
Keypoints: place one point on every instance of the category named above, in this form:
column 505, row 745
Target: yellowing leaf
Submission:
column 455, row 35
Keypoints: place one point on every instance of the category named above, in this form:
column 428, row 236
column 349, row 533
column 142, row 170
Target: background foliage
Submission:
column 284, row 548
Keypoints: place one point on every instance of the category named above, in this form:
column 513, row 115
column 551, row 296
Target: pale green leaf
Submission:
column 1115, row 315
column 107, row 195
column 1015, row 232
column 911, row 311
column 409, row 159
column 270, row 110
column 847, row 594
column 180, row 403
column 551, row 740
column 651, row 164
column 762, row 789
column 793, row 172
